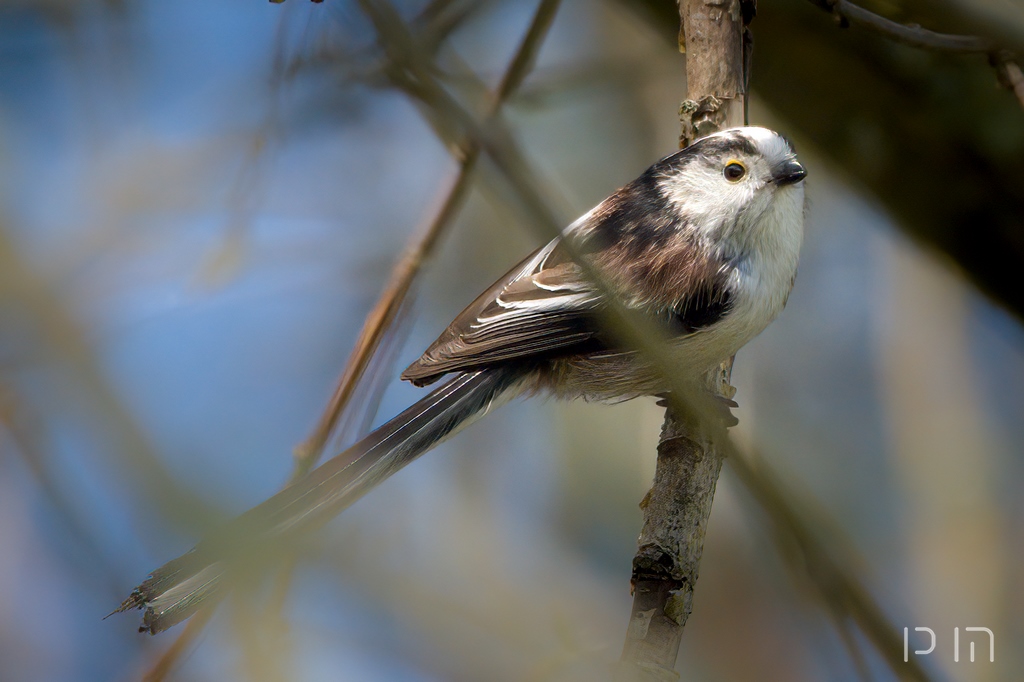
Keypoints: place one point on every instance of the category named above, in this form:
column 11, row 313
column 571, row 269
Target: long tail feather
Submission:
column 175, row 591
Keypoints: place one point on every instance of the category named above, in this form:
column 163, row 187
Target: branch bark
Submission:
column 712, row 39
column 716, row 41
column 1008, row 71
column 676, row 512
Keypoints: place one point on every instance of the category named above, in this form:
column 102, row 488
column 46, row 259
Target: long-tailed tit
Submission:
column 706, row 240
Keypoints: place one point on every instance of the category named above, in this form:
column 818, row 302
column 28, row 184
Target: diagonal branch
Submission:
column 912, row 35
column 421, row 247
column 1003, row 61
column 831, row 572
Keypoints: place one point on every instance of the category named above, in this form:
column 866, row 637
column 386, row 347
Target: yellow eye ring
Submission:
column 734, row 171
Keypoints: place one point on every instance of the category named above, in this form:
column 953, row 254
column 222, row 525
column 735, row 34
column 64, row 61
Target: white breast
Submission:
column 765, row 277
column 760, row 283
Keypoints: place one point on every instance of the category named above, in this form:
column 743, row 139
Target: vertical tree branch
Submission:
column 678, row 506
column 712, row 39
column 676, row 511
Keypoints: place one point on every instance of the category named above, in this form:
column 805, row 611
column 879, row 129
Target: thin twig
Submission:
column 421, row 247
column 908, row 34
column 1007, row 69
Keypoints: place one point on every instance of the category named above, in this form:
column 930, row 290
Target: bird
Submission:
column 705, row 243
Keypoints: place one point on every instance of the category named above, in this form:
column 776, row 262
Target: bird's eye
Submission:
column 734, row 171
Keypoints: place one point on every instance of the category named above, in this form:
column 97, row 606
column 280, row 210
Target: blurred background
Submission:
column 200, row 202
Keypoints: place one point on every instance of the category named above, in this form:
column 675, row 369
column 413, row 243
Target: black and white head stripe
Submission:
column 750, row 141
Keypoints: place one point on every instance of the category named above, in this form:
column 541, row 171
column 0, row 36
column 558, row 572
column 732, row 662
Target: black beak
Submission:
column 788, row 172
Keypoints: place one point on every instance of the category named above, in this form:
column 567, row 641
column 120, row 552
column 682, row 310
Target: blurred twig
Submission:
column 1003, row 61
column 434, row 23
column 832, row 572
column 421, row 247
column 225, row 257
column 410, row 71
column 440, row 18
column 60, row 335
column 24, row 435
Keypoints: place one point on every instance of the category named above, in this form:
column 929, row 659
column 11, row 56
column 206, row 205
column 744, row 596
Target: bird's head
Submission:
column 733, row 185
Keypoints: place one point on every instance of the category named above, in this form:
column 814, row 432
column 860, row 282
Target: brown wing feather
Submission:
column 539, row 307
column 544, row 307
